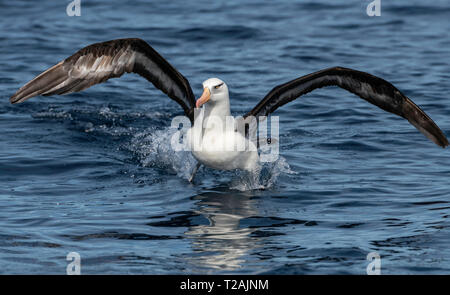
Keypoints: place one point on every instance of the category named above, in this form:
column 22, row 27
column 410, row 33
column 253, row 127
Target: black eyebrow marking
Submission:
column 218, row 85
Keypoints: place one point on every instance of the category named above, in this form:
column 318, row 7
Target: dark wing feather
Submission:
column 371, row 88
column 99, row 62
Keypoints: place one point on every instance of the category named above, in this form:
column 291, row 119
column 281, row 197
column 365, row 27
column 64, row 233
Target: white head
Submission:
column 215, row 93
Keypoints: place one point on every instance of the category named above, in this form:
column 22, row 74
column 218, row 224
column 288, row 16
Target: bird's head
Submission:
column 214, row 90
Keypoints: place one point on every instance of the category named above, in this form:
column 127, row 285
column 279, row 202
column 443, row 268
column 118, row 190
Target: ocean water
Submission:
column 93, row 172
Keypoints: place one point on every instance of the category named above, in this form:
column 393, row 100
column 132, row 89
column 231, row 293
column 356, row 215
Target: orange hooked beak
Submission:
column 204, row 98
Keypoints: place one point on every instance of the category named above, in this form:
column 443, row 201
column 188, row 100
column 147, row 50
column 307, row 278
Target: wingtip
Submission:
column 417, row 117
column 18, row 97
column 445, row 143
column 13, row 99
column 439, row 138
column 435, row 134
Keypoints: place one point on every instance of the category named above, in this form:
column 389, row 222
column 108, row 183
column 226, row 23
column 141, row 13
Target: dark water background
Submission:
column 91, row 172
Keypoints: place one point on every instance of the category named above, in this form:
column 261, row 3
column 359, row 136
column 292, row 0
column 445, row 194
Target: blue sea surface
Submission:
column 93, row 172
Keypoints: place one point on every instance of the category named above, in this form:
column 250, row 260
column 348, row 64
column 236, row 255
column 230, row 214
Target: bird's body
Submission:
column 214, row 152
column 214, row 139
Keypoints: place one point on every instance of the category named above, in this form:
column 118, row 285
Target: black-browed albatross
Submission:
column 99, row 62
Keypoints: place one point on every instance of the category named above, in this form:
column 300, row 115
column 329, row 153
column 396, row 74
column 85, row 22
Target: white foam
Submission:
column 264, row 177
column 153, row 149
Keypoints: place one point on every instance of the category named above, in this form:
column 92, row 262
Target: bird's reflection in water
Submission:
column 223, row 243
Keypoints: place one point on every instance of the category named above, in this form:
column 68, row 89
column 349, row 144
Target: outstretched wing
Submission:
column 99, row 62
column 370, row 88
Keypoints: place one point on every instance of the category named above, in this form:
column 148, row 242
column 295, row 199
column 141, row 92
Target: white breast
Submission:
column 223, row 150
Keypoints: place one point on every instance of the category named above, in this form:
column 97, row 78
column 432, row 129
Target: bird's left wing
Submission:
column 370, row 88
column 99, row 62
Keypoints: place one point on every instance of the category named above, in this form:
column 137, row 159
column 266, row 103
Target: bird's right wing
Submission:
column 373, row 89
column 99, row 62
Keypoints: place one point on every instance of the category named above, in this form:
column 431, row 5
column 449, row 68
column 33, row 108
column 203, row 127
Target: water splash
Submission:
column 152, row 148
column 264, row 176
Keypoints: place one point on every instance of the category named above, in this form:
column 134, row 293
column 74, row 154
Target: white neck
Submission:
column 215, row 112
column 219, row 107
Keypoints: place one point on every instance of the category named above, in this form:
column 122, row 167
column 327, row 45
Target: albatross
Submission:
column 99, row 62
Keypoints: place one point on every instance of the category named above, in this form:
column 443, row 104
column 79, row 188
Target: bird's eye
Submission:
column 218, row 86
